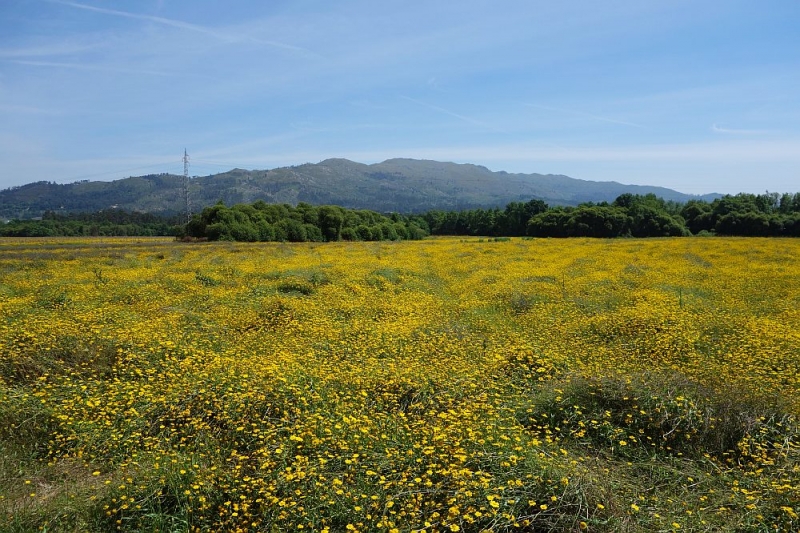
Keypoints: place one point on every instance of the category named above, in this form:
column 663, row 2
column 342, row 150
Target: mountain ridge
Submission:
column 395, row 185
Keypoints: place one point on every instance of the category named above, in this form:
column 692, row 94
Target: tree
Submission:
column 698, row 216
column 330, row 222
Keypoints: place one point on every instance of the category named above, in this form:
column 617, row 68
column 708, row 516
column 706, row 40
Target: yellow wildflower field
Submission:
column 439, row 385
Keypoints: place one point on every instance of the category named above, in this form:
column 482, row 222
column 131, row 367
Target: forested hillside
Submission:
column 396, row 185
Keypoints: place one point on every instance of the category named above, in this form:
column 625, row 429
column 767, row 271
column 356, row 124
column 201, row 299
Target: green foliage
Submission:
column 630, row 215
column 296, row 286
column 402, row 185
column 303, row 223
column 662, row 414
column 761, row 215
column 106, row 223
column 205, row 280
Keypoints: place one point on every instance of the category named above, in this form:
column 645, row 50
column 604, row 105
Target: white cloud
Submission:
column 533, row 152
column 587, row 115
column 788, row 150
column 224, row 36
column 453, row 114
column 733, row 131
column 89, row 66
column 46, row 50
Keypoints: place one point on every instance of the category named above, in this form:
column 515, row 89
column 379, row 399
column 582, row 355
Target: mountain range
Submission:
column 395, row 185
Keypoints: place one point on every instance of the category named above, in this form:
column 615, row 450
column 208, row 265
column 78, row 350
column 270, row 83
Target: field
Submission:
column 442, row 385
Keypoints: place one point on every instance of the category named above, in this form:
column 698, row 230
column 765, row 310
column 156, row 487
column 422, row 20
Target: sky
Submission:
column 699, row 97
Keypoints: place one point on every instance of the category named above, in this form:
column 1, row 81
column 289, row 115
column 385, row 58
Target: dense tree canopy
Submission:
column 282, row 222
column 763, row 215
column 629, row 215
column 108, row 222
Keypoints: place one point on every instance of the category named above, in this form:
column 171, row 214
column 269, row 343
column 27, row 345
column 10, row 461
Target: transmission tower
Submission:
column 186, row 185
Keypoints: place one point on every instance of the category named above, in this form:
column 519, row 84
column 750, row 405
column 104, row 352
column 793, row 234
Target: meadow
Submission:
column 440, row 385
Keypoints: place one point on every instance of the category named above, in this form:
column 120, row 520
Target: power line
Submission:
column 186, row 185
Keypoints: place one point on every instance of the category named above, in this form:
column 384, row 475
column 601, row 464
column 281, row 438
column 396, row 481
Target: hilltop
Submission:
column 395, row 185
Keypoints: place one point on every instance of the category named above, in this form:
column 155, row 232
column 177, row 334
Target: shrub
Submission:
column 661, row 413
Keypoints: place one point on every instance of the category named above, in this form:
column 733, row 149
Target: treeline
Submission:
column 761, row 215
column 282, row 222
column 106, row 223
column 630, row 215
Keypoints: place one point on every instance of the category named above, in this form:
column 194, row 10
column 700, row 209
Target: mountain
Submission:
column 402, row 185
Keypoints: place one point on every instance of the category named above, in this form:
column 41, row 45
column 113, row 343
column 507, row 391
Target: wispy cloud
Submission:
column 735, row 131
column 241, row 151
column 586, row 115
column 86, row 66
column 453, row 114
column 537, row 152
column 57, row 49
column 363, row 103
column 433, row 84
column 223, row 36
column 150, row 18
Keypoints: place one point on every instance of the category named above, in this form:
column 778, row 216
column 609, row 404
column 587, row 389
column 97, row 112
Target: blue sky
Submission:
column 696, row 96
